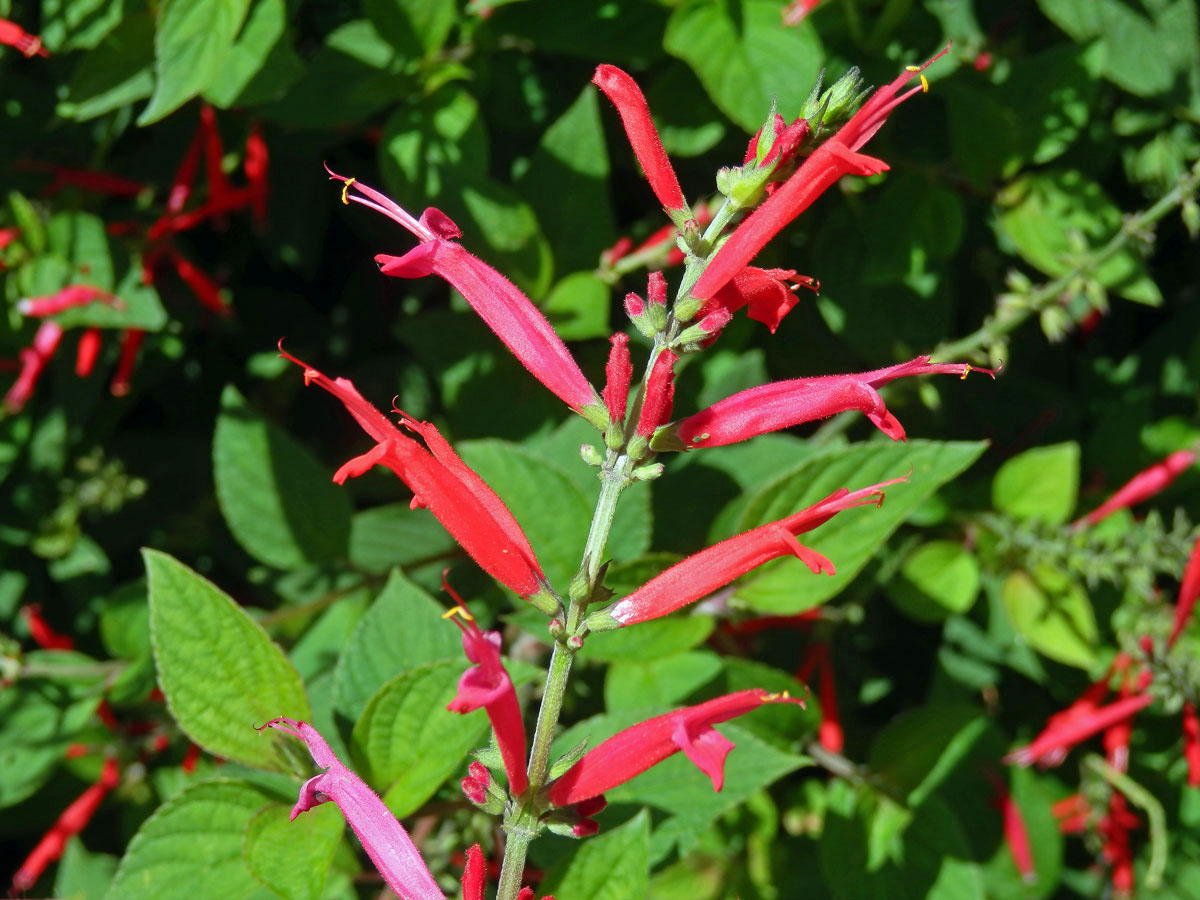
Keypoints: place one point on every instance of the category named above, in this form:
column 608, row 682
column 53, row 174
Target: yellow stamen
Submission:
column 913, row 68
column 458, row 611
column 966, row 372
column 924, row 84
column 345, row 189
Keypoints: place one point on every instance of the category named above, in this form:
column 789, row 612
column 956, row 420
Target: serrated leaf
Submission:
column 395, row 534
column 276, row 498
column 658, row 683
column 851, row 538
column 407, row 742
column 191, row 40
column 612, row 866
column 221, row 673
column 759, row 58
column 191, row 847
column 1041, row 483
column 937, row 580
column 292, row 857
column 402, row 630
column 83, row 875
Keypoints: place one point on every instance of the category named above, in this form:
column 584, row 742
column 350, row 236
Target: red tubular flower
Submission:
column 72, row 821
column 831, row 160
column 619, row 371
column 499, row 302
column 782, row 404
column 86, row 179
column 255, row 165
column 763, row 291
column 1191, row 743
column 1016, row 835
column 33, row 359
column 214, row 154
column 631, row 752
column 1073, row 814
column 1050, row 747
column 87, row 352
column 69, row 297
column 1189, row 590
column 660, row 393
column 41, row 632
column 1117, row 851
column 713, row 568
column 381, row 834
column 488, row 686
column 202, row 286
column 131, row 345
column 627, row 97
column 1142, row 486
column 15, row 36
column 829, row 733
column 444, row 484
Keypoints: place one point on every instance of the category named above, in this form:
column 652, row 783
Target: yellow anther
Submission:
column 458, row 611
column 345, row 189
column 913, row 68
column 966, row 372
column 924, row 84
column 782, row 695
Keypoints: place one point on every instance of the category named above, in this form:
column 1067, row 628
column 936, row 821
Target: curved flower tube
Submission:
column 631, row 752
column 382, row 836
column 782, row 404
column 500, row 303
column 716, row 566
column 446, row 486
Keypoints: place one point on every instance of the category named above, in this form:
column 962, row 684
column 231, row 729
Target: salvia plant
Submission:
column 629, row 635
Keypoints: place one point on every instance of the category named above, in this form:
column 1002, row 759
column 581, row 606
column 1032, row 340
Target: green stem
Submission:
column 516, row 846
column 1155, row 817
column 614, row 478
column 999, row 324
column 552, row 697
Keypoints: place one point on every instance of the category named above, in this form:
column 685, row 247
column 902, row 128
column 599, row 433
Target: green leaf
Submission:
column 1039, row 483
column 1133, row 50
column 140, row 307
column 276, row 498
column 658, row 683
column 759, row 59
column 415, row 28
column 221, row 673
column 552, row 511
column 1047, row 215
column 402, row 630
column 571, row 161
column 37, row 723
column 1054, row 614
column 578, row 307
column 612, row 866
column 118, row 72
column 395, row 534
column 918, row 750
column 657, row 639
column 407, row 742
column 191, row 847
column 292, row 857
column 78, row 24
column 191, row 43
column 80, row 238
column 851, row 538
column 937, row 580
column 82, row 875
column 262, row 65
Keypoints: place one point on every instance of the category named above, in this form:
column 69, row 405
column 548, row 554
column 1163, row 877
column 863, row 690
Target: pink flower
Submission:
column 445, row 485
column 15, row 36
column 1142, row 486
column 499, row 302
column 634, row 750
column 764, row 292
column 34, row 360
column 381, row 834
column 782, row 404
column 631, row 105
column 1189, row 590
column 713, row 568
column 487, row 686
column 831, row 160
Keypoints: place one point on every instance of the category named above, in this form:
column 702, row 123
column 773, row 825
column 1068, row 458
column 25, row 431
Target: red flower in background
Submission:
column 1142, row 486
column 15, row 36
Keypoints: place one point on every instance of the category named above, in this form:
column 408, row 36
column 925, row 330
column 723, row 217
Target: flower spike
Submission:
column 382, row 836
